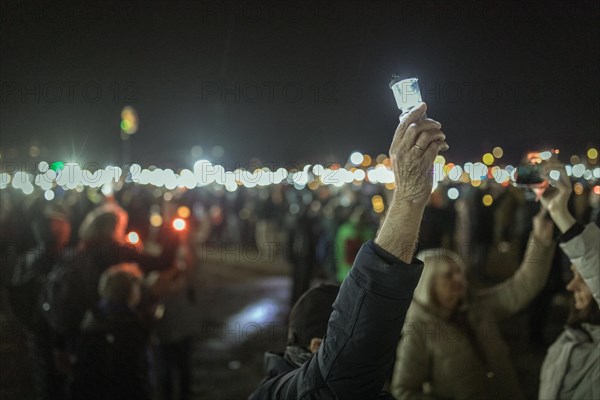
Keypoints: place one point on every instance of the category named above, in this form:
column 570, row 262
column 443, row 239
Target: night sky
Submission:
column 294, row 82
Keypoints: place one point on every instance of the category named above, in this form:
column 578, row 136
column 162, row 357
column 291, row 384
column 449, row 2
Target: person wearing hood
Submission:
column 307, row 324
column 351, row 356
column 451, row 345
column 571, row 368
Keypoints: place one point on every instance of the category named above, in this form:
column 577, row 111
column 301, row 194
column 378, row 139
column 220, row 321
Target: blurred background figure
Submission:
column 349, row 238
column 51, row 231
column 175, row 332
column 439, row 223
column 302, row 243
column 111, row 360
column 270, row 213
column 72, row 284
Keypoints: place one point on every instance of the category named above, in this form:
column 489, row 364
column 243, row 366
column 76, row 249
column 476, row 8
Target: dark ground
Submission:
column 240, row 311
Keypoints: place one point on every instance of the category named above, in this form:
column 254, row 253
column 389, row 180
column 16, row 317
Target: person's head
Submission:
column 584, row 307
column 105, row 223
column 52, row 227
column 582, row 295
column 443, row 284
column 121, row 284
column 310, row 315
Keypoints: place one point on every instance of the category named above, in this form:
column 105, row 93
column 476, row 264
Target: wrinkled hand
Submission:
column 417, row 141
column 556, row 200
column 543, row 228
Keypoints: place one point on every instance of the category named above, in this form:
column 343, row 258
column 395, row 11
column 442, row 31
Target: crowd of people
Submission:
column 445, row 336
column 425, row 282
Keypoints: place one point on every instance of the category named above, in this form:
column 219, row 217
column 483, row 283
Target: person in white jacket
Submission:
column 571, row 369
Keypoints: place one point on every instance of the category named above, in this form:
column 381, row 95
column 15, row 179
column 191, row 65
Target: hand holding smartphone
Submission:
column 529, row 174
column 406, row 92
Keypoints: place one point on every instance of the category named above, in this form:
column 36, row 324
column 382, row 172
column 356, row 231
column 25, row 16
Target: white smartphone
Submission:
column 406, row 92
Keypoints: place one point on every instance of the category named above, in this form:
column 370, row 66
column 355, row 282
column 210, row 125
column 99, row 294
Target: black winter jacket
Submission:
column 357, row 353
column 111, row 357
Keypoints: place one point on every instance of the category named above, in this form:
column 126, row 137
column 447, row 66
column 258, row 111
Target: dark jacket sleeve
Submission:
column 357, row 353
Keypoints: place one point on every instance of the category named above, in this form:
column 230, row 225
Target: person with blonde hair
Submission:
column 451, row 345
column 106, row 222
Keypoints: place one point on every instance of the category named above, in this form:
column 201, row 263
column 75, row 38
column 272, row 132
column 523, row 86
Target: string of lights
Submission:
column 360, row 168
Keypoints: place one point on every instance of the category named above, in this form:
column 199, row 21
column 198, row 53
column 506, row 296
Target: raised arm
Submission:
column 581, row 245
column 363, row 332
column 516, row 292
column 416, row 143
column 357, row 353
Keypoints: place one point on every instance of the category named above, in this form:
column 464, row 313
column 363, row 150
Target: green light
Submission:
column 125, row 125
column 57, row 166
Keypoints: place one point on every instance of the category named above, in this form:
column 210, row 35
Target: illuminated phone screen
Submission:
column 406, row 92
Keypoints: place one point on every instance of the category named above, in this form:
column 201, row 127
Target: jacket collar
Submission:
column 275, row 364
